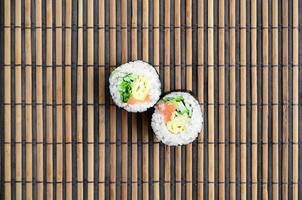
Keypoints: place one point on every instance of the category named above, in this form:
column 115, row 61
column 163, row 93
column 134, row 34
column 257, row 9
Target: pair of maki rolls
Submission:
column 135, row 86
column 177, row 119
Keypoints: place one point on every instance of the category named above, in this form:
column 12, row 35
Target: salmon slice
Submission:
column 132, row 100
column 166, row 110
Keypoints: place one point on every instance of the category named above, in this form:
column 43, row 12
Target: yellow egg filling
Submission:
column 140, row 88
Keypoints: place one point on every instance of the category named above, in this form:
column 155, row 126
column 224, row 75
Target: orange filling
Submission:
column 166, row 110
column 132, row 100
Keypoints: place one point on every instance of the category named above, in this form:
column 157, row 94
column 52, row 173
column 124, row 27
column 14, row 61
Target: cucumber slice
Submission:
column 173, row 99
column 181, row 107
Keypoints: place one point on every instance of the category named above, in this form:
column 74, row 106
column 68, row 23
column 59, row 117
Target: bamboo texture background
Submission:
column 63, row 138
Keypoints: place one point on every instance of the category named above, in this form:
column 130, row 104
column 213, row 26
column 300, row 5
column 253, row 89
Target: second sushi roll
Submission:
column 177, row 119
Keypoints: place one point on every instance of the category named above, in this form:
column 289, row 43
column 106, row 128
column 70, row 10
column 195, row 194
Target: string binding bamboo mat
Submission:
column 63, row 138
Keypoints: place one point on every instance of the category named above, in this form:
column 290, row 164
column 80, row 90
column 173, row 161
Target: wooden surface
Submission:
column 63, row 138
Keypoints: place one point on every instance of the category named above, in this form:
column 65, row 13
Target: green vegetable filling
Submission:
column 126, row 86
column 182, row 108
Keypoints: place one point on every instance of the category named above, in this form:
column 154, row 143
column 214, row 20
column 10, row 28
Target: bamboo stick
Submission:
column 178, row 172
column 7, row 101
column 285, row 98
column 275, row 97
column 254, row 101
column 49, row 98
column 145, row 157
column 59, row 101
column 177, row 42
column 295, row 99
column 211, row 125
column 102, row 152
column 167, row 49
column 112, row 151
column 243, row 99
column 28, row 100
column 39, row 99
column 156, row 33
column 200, row 59
column 124, row 12
column 80, row 169
column 145, row 11
column 189, row 38
column 68, row 130
column 221, row 100
column 134, row 31
column 124, row 155
column 18, row 99
column 102, row 51
column 90, row 101
column 200, row 91
column 101, row 101
column 265, row 62
column 134, row 157
column 80, row 177
column 232, row 101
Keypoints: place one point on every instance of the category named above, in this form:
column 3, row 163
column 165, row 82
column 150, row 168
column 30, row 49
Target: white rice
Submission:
column 139, row 68
column 194, row 126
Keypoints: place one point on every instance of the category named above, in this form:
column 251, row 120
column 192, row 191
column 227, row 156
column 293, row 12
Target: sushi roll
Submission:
column 177, row 119
column 135, row 86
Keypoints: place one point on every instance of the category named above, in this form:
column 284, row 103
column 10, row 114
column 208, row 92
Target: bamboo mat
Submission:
column 63, row 138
